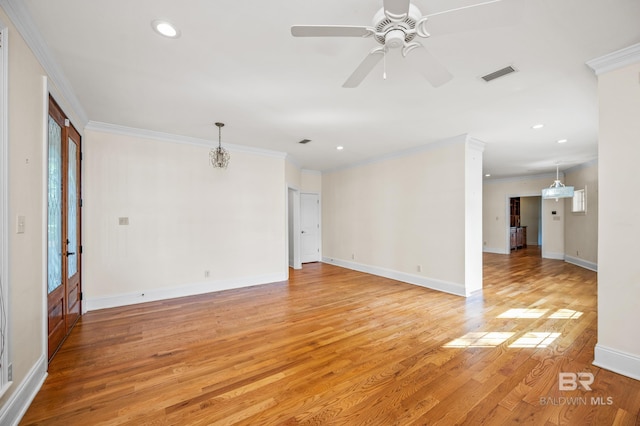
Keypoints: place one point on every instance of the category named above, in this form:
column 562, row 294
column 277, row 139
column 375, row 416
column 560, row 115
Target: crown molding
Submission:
column 549, row 176
column 581, row 166
column 20, row 17
column 311, row 172
column 460, row 139
column 117, row 129
column 614, row 60
column 293, row 161
column 476, row 144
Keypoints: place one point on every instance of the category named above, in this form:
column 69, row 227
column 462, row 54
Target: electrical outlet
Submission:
column 419, row 268
column 206, row 274
column 353, row 256
column 123, row 221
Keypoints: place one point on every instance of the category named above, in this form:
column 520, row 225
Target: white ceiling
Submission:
column 236, row 62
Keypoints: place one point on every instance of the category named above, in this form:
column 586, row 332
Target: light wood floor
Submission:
column 334, row 346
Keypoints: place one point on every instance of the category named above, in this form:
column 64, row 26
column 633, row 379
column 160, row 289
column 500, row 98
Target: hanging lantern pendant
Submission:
column 219, row 157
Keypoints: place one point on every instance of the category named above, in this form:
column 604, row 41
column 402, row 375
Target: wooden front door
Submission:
column 63, row 227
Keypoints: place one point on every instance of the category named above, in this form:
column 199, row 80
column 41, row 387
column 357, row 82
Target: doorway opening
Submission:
column 525, row 223
column 293, row 227
column 310, row 227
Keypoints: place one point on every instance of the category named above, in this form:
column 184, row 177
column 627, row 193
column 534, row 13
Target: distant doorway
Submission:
column 525, row 224
column 309, row 228
column 293, row 227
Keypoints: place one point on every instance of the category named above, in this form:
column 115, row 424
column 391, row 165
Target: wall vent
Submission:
column 497, row 74
column 304, row 141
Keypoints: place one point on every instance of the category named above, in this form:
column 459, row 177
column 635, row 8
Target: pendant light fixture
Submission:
column 557, row 188
column 219, row 157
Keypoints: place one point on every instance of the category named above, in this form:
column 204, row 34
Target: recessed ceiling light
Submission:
column 165, row 29
column 340, row 148
column 562, row 140
column 488, row 175
column 537, row 126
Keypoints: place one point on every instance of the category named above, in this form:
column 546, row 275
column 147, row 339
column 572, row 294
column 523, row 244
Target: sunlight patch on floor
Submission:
column 523, row 313
column 566, row 314
column 535, row 339
column 480, row 339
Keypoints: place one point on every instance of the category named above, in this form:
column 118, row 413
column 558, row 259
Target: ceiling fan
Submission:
column 395, row 26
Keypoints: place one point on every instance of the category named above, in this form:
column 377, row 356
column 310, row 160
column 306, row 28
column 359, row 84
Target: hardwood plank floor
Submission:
column 334, row 346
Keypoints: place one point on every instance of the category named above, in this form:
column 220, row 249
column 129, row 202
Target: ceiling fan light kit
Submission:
column 395, row 26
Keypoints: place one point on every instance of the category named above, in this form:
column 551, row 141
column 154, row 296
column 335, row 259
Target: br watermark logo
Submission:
column 573, row 381
column 569, row 381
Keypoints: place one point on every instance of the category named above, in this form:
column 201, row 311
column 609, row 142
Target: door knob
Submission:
column 70, row 253
column 303, row 232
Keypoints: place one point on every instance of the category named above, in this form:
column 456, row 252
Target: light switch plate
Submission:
column 20, row 226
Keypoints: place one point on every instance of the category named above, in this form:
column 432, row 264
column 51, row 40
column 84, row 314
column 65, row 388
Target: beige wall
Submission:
column 311, row 181
column 27, row 100
column 618, row 346
column 390, row 216
column 292, row 174
column 185, row 218
column 530, row 210
column 496, row 194
column 581, row 229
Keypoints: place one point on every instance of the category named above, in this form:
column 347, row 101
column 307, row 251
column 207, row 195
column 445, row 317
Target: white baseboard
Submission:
column 552, row 255
column 16, row 406
column 617, row 361
column 91, row 304
column 494, row 250
column 434, row 284
column 581, row 262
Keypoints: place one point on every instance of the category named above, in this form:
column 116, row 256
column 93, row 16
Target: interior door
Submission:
column 63, row 227
column 310, row 228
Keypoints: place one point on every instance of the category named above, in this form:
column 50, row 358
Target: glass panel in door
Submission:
column 72, row 210
column 54, row 207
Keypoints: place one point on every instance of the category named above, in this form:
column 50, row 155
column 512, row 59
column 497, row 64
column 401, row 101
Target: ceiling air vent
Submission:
column 497, row 74
column 303, row 141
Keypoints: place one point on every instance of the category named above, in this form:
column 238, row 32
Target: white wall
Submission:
column 581, row 229
column 618, row 346
column 389, row 216
column 185, row 218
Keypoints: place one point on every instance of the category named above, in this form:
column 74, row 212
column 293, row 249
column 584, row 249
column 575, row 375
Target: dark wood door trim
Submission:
column 64, row 303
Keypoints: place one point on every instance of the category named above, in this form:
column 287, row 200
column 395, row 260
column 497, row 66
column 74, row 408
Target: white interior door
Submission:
column 309, row 228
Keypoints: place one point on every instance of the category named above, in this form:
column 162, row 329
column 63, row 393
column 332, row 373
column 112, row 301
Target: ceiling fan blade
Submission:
column 426, row 64
column 462, row 8
column 396, row 7
column 331, row 31
column 364, row 68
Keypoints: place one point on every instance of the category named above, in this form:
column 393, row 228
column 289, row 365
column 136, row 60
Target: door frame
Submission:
column 319, row 221
column 508, row 223
column 293, row 227
column 48, row 91
column 5, row 356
